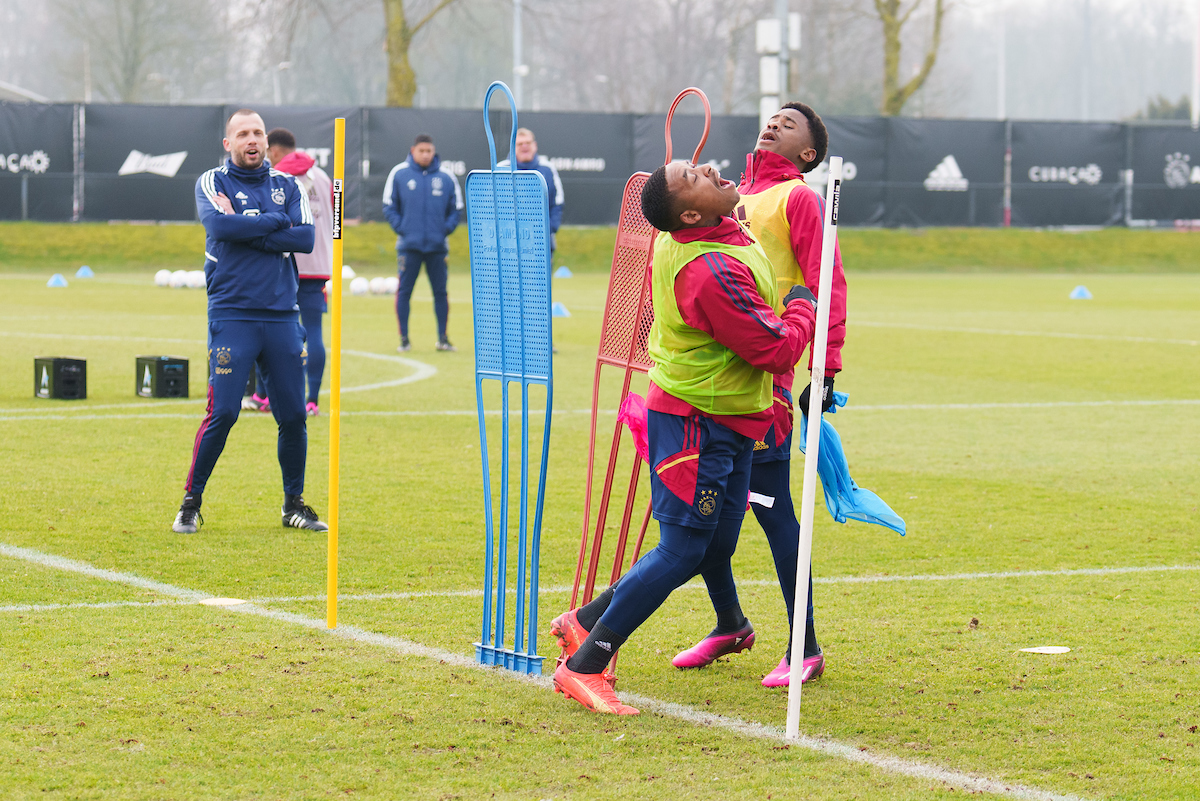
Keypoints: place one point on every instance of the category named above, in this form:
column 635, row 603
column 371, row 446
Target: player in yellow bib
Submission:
column 717, row 340
column 786, row 216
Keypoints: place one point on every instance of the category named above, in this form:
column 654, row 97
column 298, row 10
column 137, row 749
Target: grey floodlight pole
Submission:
column 519, row 68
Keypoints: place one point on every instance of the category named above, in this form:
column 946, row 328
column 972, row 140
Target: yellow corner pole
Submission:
column 335, row 367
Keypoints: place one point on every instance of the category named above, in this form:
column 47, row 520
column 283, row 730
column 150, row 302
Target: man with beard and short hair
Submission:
column 254, row 218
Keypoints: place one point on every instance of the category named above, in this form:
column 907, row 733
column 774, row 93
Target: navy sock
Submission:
column 811, row 647
column 597, row 650
column 590, row 612
column 729, row 620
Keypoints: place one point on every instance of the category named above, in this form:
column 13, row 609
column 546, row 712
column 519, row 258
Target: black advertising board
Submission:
column 1166, row 173
column 313, row 128
column 591, row 153
column 944, row 172
column 389, row 133
column 862, row 144
column 37, row 161
column 142, row 162
column 729, row 140
column 1067, row 173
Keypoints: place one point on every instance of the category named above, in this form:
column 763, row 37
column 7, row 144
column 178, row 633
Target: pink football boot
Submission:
column 781, row 676
column 707, row 650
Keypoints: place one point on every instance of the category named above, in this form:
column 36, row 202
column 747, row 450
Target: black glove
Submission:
column 800, row 292
column 826, row 396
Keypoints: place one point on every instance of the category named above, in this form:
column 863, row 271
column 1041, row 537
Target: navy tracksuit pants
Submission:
column 410, row 267
column 233, row 348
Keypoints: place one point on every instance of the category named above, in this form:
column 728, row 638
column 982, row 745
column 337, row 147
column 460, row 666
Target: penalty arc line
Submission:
column 682, row 712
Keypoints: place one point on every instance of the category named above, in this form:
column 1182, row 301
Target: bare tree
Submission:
column 402, row 79
column 893, row 16
column 128, row 39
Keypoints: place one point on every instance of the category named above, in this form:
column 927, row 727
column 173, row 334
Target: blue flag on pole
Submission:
column 844, row 499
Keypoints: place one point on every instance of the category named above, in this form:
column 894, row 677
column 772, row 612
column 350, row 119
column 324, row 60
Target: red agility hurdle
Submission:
column 628, row 314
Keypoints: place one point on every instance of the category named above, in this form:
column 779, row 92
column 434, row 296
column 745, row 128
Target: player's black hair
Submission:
column 657, row 203
column 281, row 137
column 820, row 136
column 422, row 139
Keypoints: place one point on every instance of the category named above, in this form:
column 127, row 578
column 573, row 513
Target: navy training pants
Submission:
column 435, row 268
column 233, row 348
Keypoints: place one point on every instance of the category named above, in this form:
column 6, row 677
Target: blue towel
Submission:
column 843, row 498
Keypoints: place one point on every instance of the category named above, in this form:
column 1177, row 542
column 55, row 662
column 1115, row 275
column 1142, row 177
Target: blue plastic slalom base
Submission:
column 507, row 658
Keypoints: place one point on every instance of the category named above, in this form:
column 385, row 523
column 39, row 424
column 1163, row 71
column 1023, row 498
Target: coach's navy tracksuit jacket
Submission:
column 252, row 311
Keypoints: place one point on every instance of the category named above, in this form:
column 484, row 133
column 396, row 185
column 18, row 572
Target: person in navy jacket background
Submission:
column 422, row 202
column 528, row 159
column 254, row 219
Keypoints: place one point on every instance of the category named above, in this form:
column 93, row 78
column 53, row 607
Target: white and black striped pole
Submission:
column 813, row 445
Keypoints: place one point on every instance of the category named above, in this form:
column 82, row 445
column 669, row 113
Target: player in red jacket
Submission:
column 786, row 216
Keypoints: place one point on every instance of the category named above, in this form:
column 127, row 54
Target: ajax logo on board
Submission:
column 1179, row 173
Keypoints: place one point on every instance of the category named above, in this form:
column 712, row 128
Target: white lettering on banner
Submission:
column 1178, row 174
column 166, row 166
column 568, row 164
column 1090, row 175
column 36, row 162
column 317, row 154
column 456, row 167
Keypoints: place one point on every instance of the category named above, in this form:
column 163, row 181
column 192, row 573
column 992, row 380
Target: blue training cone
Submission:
column 1081, row 293
column 559, row 310
column 85, row 272
column 563, row 272
column 56, row 280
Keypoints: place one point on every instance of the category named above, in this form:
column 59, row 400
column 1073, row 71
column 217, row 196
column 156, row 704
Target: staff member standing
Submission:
column 422, row 202
column 528, row 159
column 254, row 218
column 315, row 268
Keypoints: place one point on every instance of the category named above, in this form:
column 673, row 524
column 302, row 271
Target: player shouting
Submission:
column 786, row 216
column 715, row 342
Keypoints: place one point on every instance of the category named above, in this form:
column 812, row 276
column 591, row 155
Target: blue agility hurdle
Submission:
column 509, row 230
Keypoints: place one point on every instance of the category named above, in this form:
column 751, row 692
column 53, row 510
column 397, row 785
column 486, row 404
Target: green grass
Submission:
column 181, row 701
column 48, row 248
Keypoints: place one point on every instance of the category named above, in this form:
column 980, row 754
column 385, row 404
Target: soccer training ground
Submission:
column 1042, row 450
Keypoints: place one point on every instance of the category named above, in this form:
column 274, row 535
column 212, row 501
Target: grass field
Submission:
column 1042, row 450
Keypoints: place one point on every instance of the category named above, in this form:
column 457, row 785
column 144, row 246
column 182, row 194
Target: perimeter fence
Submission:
column 135, row 162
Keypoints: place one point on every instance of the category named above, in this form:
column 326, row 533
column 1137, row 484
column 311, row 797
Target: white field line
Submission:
column 697, row 717
column 33, row 414
column 99, row 337
column 699, row 585
column 1008, row 333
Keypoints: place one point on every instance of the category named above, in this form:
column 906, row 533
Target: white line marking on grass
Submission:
column 889, row 764
column 697, row 584
column 99, row 605
column 1026, row 405
column 422, row 369
column 99, row 337
column 1007, row 333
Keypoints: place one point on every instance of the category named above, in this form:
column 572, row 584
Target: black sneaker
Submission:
column 444, row 344
column 297, row 514
column 405, row 345
column 189, row 519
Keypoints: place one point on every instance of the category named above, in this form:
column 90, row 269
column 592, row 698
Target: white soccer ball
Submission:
column 359, row 286
column 378, row 285
column 162, row 278
column 196, row 279
column 178, row 280
column 393, row 284
column 328, row 287
column 348, row 271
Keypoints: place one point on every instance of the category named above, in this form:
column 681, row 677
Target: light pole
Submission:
column 520, row 68
column 283, row 65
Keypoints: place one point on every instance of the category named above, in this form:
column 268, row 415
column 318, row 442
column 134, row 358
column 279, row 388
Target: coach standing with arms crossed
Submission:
column 422, row 202
column 254, row 218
